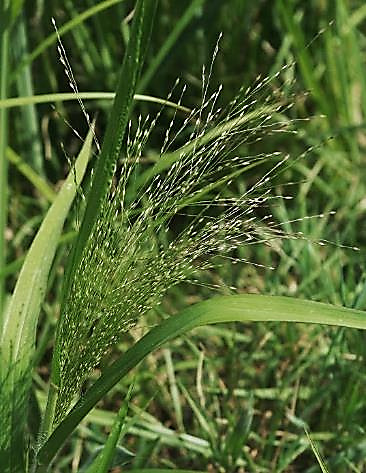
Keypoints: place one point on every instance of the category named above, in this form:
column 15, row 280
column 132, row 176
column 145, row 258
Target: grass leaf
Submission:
column 21, row 317
column 104, row 460
column 171, row 40
column 241, row 308
column 65, row 96
column 110, row 152
column 38, row 182
column 116, row 128
column 317, row 454
column 19, row 331
column 52, row 38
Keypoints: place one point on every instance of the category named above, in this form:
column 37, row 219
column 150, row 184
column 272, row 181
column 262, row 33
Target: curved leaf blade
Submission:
column 19, row 331
column 18, row 334
column 67, row 96
column 238, row 308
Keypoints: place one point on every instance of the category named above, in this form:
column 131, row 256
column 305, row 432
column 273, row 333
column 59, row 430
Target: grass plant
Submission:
column 177, row 203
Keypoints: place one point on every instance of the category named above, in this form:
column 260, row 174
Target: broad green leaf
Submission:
column 19, row 330
column 238, row 308
column 20, row 323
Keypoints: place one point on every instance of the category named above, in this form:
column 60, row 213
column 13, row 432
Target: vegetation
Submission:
column 234, row 194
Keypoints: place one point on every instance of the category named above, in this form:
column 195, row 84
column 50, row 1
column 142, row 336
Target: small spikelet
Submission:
column 125, row 268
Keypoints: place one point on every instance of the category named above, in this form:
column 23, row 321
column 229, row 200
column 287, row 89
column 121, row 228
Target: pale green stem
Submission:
column 62, row 97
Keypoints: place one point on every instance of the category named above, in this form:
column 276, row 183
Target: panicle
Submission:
column 136, row 252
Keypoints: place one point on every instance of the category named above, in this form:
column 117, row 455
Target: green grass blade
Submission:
column 29, row 129
column 199, row 414
column 104, row 460
column 20, row 322
column 357, row 17
column 110, row 152
column 89, row 57
column 317, row 454
column 38, row 182
column 303, row 56
column 174, row 391
column 63, row 97
column 179, row 27
column 16, row 265
column 52, row 38
column 18, row 334
column 116, row 128
column 16, row 8
column 239, row 308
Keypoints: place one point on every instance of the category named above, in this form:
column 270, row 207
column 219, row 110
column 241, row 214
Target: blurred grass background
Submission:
column 237, row 398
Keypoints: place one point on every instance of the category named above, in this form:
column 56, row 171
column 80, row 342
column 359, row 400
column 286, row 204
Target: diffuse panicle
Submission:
column 127, row 267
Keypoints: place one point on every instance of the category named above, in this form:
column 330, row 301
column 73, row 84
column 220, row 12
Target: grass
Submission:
column 3, row 144
column 240, row 397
